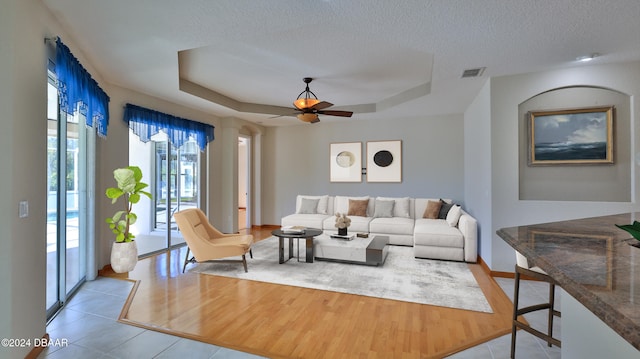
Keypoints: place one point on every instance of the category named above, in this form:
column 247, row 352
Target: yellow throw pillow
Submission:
column 358, row 207
column 432, row 210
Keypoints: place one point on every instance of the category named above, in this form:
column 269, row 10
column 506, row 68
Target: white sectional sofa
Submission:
column 401, row 219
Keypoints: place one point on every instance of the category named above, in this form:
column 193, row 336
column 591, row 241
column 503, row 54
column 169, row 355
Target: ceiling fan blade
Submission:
column 321, row 105
column 315, row 121
column 336, row 113
column 278, row 116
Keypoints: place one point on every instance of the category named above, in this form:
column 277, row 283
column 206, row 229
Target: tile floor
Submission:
column 88, row 323
column 527, row 345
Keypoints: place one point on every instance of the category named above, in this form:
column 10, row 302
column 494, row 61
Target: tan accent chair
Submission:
column 209, row 244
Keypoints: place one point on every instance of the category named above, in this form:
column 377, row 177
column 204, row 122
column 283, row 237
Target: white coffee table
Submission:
column 369, row 251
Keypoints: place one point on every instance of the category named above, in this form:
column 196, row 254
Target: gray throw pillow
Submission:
column 444, row 209
column 309, row 206
column 384, row 209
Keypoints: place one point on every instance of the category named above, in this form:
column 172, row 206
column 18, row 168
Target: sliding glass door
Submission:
column 175, row 180
column 67, row 214
column 175, row 183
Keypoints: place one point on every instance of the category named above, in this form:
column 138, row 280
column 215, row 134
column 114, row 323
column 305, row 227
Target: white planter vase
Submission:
column 124, row 256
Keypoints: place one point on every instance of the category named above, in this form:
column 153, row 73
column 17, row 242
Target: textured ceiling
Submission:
column 383, row 59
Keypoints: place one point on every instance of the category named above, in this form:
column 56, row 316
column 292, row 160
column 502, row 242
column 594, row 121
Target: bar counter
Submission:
column 594, row 261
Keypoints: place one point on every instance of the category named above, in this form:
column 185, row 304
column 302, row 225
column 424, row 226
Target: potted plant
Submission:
column 342, row 222
column 124, row 252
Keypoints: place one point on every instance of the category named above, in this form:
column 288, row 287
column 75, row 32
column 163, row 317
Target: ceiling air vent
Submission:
column 477, row 72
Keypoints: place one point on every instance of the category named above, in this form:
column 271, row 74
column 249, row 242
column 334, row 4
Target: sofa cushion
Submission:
column 341, row 204
column 323, row 203
column 420, row 205
column 358, row 224
column 383, row 208
column 432, row 210
column 444, row 209
column 305, row 220
column 395, row 225
column 454, row 215
column 436, row 232
column 309, row 206
column 358, row 207
column 401, row 207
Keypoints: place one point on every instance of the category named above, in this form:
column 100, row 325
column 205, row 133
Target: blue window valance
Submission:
column 78, row 92
column 145, row 123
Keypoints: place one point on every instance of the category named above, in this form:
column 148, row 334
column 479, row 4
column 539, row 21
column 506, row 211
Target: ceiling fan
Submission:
column 310, row 107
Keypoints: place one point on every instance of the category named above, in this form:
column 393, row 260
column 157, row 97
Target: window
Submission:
column 174, row 176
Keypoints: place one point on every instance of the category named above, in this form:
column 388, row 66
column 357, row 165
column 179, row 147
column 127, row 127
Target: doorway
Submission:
column 244, row 183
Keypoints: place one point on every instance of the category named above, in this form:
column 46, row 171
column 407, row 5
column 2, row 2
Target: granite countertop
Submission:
column 593, row 261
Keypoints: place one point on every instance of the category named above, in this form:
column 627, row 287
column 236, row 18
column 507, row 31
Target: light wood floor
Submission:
column 290, row 322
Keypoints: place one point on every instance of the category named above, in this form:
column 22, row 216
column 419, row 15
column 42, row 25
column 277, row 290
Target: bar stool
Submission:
column 522, row 267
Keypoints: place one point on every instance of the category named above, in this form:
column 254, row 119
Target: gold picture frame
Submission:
column 571, row 137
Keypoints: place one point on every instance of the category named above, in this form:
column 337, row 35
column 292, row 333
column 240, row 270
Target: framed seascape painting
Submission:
column 345, row 162
column 384, row 161
column 576, row 136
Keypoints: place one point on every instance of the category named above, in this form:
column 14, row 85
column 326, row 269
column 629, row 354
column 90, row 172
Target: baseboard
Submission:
column 484, row 266
column 107, row 271
column 35, row 352
column 498, row 274
column 266, row 226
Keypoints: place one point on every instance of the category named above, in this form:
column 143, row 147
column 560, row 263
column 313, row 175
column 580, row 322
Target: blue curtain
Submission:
column 79, row 92
column 146, row 123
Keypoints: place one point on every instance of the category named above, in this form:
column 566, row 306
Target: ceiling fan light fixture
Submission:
column 304, row 100
column 304, row 103
column 308, row 117
column 310, row 107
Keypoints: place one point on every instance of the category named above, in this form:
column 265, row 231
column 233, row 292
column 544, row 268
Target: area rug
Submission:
column 402, row 277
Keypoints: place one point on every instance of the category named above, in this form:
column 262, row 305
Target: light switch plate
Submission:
column 24, row 209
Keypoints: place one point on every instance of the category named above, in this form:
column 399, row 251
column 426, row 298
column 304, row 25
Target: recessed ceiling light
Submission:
column 587, row 58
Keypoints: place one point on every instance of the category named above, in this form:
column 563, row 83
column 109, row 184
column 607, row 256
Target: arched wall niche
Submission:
column 599, row 183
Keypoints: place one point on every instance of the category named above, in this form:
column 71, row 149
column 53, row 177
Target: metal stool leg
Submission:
column 516, row 295
column 548, row 337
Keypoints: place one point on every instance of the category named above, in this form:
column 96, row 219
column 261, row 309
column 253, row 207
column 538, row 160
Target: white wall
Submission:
column 296, row 160
column 23, row 115
column 507, row 93
column 477, row 167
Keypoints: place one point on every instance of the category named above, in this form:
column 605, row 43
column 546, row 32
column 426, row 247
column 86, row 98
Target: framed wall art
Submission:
column 345, row 162
column 575, row 136
column 384, row 161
